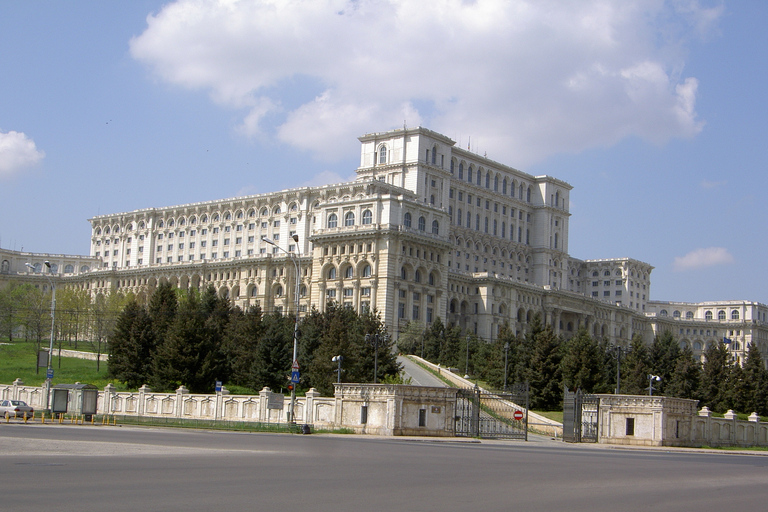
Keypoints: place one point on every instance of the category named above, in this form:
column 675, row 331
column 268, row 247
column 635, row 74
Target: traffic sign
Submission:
column 518, row 415
column 295, row 365
column 295, row 376
column 49, row 373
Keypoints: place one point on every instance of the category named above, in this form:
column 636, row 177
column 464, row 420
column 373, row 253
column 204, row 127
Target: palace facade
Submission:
column 427, row 230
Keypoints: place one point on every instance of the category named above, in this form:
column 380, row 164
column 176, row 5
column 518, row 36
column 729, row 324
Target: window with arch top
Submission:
column 407, row 219
column 422, row 224
column 367, row 217
column 333, row 220
column 382, row 154
column 349, row 219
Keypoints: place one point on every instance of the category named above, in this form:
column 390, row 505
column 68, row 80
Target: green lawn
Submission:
column 17, row 361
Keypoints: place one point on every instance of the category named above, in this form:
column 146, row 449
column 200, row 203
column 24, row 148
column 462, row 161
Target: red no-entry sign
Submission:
column 518, row 415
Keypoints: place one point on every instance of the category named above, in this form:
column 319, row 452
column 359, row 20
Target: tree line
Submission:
column 550, row 363
column 25, row 312
column 194, row 339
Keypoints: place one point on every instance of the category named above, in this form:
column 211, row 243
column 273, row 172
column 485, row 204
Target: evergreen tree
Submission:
column 663, row 357
column 715, row 377
column 635, row 368
column 274, row 355
column 685, row 379
column 163, row 305
column 582, row 363
column 410, row 339
column 756, row 376
column 240, row 344
column 131, row 346
column 546, row 382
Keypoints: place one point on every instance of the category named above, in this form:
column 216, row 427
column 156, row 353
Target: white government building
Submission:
column 426, row 230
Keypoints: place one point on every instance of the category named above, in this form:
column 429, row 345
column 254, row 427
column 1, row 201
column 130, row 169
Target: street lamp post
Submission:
column 652, row 378
column 374, row 340
column 338, row 359
column 297, row 265
column 466, row 363
column 619, row 352
column 506, row 359
column 49, row 371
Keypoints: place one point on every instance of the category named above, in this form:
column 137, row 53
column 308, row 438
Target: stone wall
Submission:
column 668, row 421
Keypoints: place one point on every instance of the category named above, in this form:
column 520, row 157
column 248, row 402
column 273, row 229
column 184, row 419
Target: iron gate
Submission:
column 580, row 417
column 492, row 415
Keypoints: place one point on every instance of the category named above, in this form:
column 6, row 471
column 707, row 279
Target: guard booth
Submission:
column 75, row 399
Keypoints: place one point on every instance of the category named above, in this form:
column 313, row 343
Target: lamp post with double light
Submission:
column 49, row 372
column 297, row 265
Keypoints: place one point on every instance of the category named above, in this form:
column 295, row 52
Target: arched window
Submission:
column 496, row 184
column 367, row 217
column 254, row 291
column 432, row 279
column 708, row 315
column 469, row 219
column 367, row 271
column 407, row 220
column 435, row 227
column 434, row 155
column 469, row 174
column 422, row 224
column 403, row 274
column 417, row 276
column 487, row 180
column 721, row 315
column 277, row 210
column 349, row 272
column 663, row 312
column 264, row 212
column 689, row 315
column 735, row 314
column 676, row 314
column 461, row 170
column 504, row 186
column 528, row 195
column 349, row 219
column 279, row 291
column 332, row 273
column 458, row 218
column 452, row 165
column 193, row 220
column 215, row 217
column 84, row 268
column 68, row 269
column 382, row 154
column 204, row 218
column 332, row 220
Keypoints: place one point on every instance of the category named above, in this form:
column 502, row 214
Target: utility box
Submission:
column 75, row 398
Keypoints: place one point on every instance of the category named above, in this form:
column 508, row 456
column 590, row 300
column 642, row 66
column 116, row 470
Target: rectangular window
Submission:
column 365, row 292
column 204, row 231
column 422, row 417
column 239, row 227
column 227, row 229
column 630, row 430
column 364, row 414
column 215, row 230
column 276, row 224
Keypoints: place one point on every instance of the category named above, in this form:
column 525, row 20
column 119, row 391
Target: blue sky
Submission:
column 655, row 111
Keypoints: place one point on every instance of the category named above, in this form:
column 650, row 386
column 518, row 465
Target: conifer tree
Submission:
column 685, row 379
column 582, row 363
column 635, row 368
column 546, row 382
column 715, row 378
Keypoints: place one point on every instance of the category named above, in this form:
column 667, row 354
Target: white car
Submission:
column 15, row 409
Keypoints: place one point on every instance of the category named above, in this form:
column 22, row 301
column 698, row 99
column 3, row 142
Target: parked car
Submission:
column 15, row 409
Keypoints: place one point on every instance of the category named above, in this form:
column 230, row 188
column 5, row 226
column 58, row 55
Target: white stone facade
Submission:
column 426, row 230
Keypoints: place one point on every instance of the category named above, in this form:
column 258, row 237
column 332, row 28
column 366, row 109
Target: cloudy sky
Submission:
column 655, row 111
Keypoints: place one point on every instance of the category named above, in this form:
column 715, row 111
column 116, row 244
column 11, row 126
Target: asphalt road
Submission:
column 419, row 376
column 95, row 468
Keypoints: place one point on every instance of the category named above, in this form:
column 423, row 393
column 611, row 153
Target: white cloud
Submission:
column 17, row 152
column 528, row 78
column 706, row 184
column 701, row 258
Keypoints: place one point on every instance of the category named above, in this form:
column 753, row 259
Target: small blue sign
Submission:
column 49, row 373
column 295, row 376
